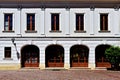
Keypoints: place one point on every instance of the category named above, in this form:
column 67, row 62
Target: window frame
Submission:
column 7, row 52
column 104, row 22
column 79, row 23
column 31, row 28
column 9, row 22
column 55, row 24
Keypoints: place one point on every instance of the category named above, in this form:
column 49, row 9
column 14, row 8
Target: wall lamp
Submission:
column 92, row 8
column 13, row 41
column 116, row 8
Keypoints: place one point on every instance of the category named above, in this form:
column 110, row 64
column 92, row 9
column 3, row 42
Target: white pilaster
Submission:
column 91, row 23
column 67, row 21
column 42, row 21
column 116, row 22
column 18, row 22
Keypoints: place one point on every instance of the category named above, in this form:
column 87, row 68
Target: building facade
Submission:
column 57, row 34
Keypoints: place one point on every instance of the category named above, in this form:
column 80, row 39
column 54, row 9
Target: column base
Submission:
column 67, row 66
column 92, row 66
column 42, row 66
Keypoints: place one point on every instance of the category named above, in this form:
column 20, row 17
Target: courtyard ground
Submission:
column 59, row 75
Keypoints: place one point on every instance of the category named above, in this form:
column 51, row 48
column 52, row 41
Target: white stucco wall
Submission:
column 91, row 38
column 67, row 22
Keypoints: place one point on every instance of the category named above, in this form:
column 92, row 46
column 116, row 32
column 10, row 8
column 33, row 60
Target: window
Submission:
column 55, row 22
column 8, row 22
column 104, row 22
column 79, row 22
column 30, row 22
column 7, row 52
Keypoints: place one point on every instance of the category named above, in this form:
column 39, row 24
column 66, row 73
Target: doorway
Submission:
column 30, row 56
column 54, row 56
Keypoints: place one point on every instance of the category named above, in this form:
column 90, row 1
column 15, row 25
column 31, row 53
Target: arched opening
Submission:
column 54, row 56
column 100, row 59
column 79, row 56
column 30, row 56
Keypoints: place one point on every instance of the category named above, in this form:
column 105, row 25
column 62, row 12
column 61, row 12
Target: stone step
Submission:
column 80, row 68
column 100, row 68
column 55, row 68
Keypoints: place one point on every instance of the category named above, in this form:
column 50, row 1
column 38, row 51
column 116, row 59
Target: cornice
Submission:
column 60, row 39
column 59, row 3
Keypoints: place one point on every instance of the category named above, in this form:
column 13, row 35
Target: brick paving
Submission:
column 59, row 75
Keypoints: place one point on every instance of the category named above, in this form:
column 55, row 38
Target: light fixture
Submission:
column 13, row 41
column 116, row 8
column 92, row 8
column 19, row 7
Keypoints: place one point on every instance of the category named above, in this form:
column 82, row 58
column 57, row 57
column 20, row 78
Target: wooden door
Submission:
column 102, row 62
column 31, row 60
column 56, row 62
column 100, row 57
column 79, row 61
column 54, row 56
column 79, row 56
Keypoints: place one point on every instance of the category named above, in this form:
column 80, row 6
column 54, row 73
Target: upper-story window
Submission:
column 55, row 22
column 30, row 22
column 8, row 22
column 7, row 52
column 79, row 22
column 103, row 22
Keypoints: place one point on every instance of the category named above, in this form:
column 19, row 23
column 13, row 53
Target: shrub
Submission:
column 113, row 56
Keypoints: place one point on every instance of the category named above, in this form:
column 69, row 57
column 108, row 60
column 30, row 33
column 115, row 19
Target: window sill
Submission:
column 79, row 31
column 30, row 31
column 7, row 59
column 104, row 31
column 8, row 31
column 55, row 31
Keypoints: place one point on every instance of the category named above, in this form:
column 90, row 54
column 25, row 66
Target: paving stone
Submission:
column 59, row 75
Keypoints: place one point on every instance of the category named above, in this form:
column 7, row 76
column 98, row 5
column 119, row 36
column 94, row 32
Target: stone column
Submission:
column 67, row 57
column 91, row 60
column 42, row 57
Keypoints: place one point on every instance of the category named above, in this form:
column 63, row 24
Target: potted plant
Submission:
column 113, row 56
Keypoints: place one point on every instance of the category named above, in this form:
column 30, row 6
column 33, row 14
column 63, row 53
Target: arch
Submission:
column 29, row 56
column 54, row 55
column 79, row 56
column 100, row 59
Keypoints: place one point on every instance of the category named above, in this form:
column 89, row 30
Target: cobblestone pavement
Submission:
column 59, row 75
